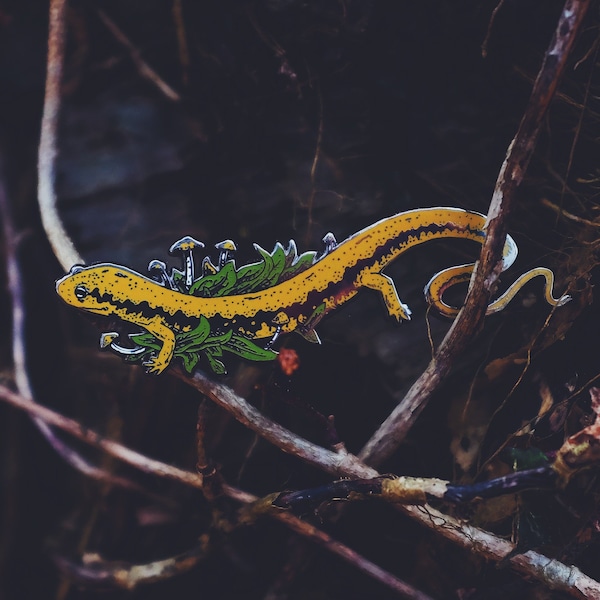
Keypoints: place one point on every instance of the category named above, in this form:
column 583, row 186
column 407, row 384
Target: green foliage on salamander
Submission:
column 189, row 345
column 273, row 268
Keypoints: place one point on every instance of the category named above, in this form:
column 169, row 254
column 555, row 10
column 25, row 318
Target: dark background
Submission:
column 297, row 118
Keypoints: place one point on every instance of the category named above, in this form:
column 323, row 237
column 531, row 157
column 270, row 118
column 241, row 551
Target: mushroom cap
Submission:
column 281, row 318
column 329, row 238
column 228, row 245
column 157, row 265
column 207, row 266
column 106, row 339
column 185, row 244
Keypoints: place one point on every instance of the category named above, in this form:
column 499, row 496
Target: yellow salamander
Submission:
column 294, row 301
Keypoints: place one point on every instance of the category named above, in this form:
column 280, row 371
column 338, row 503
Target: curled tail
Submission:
column 447, row 278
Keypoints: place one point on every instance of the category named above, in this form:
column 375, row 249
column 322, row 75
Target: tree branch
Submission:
column 392, row 432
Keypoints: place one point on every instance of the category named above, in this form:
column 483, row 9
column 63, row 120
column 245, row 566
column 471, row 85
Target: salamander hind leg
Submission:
column 385, row 285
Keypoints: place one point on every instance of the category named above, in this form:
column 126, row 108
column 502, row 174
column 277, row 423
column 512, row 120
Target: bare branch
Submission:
column 141, row 573
column 554, row 573
column 336, row 463
column 323, row 539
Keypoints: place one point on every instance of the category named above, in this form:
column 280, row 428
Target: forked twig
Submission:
column 335, row 463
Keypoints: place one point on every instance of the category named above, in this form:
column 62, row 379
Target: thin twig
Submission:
column 144, row 69
column 314, row 166
column 561, row 212
column 74, row 428
column 184, row 53
column 62, row 246
column 335, row 547
column 484, row 45
column 392, row 432
column 555, row 574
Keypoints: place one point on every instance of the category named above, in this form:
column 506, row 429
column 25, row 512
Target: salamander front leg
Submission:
column 157, row 364
column 383, row 284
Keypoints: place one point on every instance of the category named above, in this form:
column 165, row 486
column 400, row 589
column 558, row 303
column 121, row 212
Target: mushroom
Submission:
column 207, row 267
column 106, row 339
column 280, row 319
column 330, row 243
column 159, row 269
column 226, row 249
column 110, row 339
column 186, row 245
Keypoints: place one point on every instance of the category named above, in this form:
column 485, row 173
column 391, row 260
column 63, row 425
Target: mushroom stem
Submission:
column 186, row 246
column 330, row 243
column 110, row 339
column 226, row 249
column 160, row 268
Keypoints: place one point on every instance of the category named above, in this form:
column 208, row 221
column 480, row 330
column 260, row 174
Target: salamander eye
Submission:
column 81, row 292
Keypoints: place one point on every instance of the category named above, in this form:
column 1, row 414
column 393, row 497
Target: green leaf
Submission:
column 249, row 278
column 305, row 261
column 133, row 358
column 268, row 267
column 211, row 342
column 216, row 285
column 195, row 337
column 219, row 340
column 216, row 365
column 278, row 259
column 246, row 348
column 190, row 361
column 143, row 339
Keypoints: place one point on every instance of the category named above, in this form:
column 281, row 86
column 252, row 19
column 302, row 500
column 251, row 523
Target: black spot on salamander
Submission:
column 121, row 275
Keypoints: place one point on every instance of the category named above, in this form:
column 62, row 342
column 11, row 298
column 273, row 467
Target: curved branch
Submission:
column 59, row 239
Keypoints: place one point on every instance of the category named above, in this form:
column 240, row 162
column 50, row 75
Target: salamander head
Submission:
column 99, row 288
